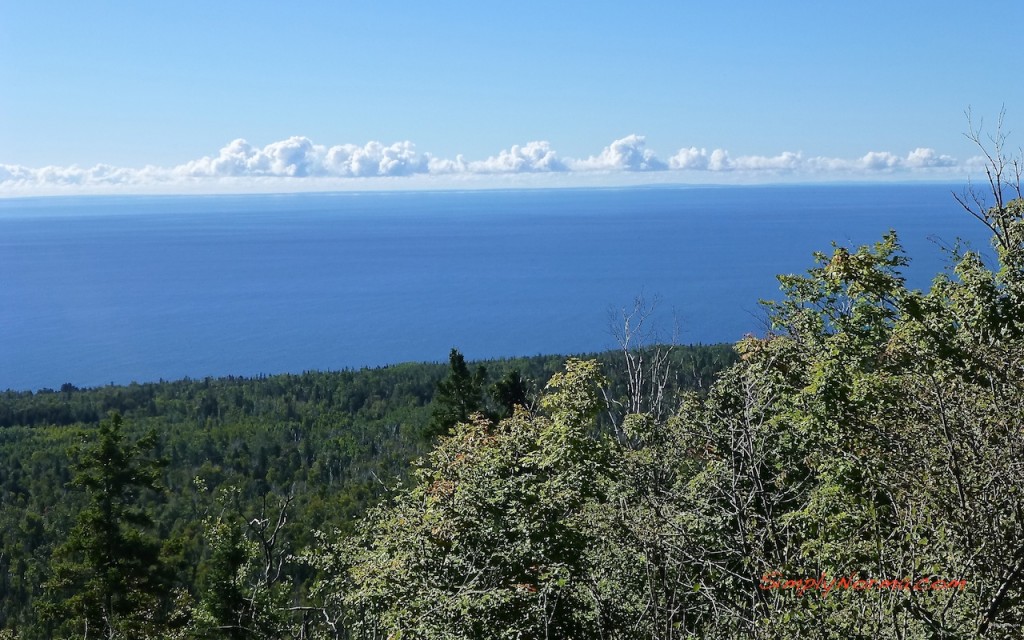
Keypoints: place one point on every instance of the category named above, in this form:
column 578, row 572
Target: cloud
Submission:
column 15, row 173
column 443, row 166
column 923, row 158
column 887, row 162
column 786, row 161
column 719, row 160
column 375, row 159
column 625, row 154
column 299, row 157
column 101, row 174
column 298, row 162
column 880, row 161
column 532, row 157
column 692, row 159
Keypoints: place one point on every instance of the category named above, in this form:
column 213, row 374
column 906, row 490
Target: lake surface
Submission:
column 96, row 290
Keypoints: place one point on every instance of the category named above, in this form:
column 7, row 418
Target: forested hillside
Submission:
column 327, row 445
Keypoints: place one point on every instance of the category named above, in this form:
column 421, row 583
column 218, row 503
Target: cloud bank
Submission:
column 298, row 162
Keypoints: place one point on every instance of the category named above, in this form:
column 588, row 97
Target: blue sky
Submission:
column 145, row 96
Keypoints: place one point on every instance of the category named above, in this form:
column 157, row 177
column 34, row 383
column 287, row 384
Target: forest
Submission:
column 855, row 471
column 315, row 450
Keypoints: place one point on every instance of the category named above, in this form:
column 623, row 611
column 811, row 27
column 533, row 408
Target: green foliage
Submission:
column 107, row 577
column 487, row 542
column 511, row 391
column 332, row 442
column 244, row 590
column 875, row 432
column 459, row 395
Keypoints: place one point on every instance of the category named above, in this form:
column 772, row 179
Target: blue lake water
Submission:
column 96, row 290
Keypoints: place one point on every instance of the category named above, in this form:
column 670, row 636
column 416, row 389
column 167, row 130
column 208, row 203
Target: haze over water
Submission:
column 96, row 290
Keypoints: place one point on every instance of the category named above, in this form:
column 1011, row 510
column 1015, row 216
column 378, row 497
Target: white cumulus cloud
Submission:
column 922, row 158
column 299, row 157
column 531, row 157
column 625, row 154
column 880, row 161
column 376, row 159
column 692, row 159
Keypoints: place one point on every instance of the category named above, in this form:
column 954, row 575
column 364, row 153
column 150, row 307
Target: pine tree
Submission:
column 510, row 392
column 458, row 397
column 107, row 578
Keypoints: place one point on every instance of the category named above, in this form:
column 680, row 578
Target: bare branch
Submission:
column 646, row 358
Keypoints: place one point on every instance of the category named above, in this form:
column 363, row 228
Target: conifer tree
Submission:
column 458, row 397
column 510, row 392
column 107, row 579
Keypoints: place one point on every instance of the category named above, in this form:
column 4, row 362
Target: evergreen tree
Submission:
column 510, row 392
column 107, row 576
column 458, row 397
